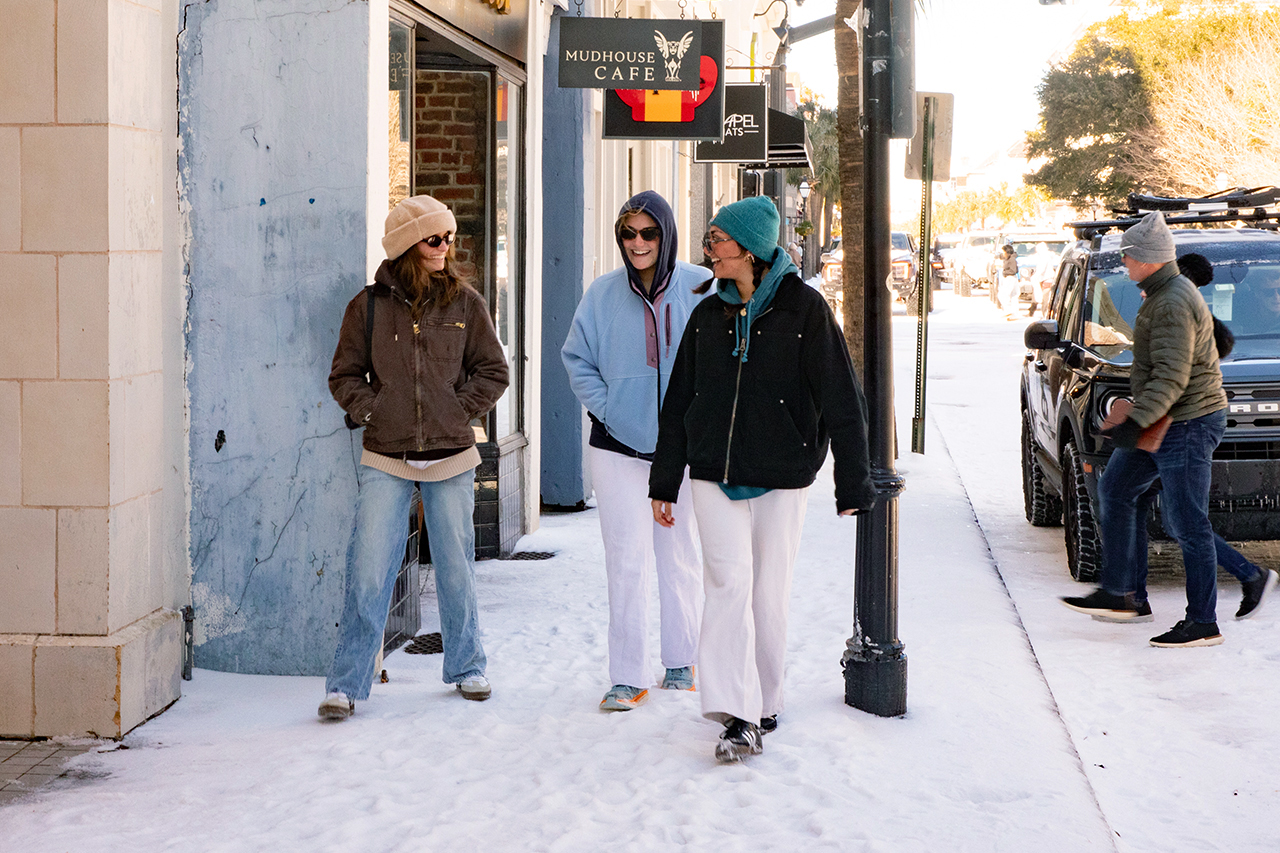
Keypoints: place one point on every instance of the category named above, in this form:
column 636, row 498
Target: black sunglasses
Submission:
column 435, row 240
column 650, row 234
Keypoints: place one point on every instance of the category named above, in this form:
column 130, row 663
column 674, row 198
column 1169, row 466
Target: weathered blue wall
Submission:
column 563, row 181
column 273, row 105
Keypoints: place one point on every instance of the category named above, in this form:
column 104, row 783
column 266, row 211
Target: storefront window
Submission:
column 400, row 110
column 508, row 187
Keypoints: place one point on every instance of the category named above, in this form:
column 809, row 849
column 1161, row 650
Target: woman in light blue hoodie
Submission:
column 619, row 353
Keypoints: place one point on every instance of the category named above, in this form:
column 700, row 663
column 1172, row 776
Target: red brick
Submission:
column 442, row 100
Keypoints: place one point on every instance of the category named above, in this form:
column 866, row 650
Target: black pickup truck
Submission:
column 1079, row 357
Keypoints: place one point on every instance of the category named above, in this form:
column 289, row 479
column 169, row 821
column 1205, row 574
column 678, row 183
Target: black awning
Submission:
column 789, row 145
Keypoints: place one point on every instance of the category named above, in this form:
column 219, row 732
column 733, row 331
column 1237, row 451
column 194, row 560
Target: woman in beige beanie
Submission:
column 417, row 360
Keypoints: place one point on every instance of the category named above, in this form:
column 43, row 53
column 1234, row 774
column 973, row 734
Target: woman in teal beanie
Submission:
column 762, row 385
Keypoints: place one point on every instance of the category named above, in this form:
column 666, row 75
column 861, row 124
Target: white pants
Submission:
column 748, row 552
column 634, row 547
column 1009, row 287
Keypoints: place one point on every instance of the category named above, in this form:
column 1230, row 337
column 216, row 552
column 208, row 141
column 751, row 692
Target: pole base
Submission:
column 877, row 685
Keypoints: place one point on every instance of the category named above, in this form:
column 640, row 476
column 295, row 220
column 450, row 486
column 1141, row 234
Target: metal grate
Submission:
column 529, row 555
column 425, row 644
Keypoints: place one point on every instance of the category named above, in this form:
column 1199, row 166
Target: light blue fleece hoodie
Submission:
column 621, row 345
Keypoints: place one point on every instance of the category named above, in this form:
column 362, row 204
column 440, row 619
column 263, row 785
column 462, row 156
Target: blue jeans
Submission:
column 1233, row 561
column 374, row 558
column 1184, row 465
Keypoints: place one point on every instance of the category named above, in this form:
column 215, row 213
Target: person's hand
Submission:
column 853, row 512
column 1125, row 434
column 662, row 513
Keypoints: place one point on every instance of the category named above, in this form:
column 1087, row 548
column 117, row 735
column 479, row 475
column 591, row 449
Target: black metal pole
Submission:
column 875, row 664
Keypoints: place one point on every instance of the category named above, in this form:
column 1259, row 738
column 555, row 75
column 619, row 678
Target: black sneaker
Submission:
column 1106, row 607
column 768, row 724
column 1255, row 591
column 739, row 740
column 1187, row 634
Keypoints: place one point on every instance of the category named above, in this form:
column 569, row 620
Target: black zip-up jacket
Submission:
column 768, row 421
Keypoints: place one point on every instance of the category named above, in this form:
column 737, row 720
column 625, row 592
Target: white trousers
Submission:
column 1009, row 287
column 635, row 548
column 748, row 553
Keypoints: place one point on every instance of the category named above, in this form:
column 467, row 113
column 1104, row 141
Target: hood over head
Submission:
column 656, row 206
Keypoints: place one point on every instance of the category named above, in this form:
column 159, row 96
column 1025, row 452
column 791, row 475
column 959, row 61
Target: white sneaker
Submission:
column 475, row 687
column 336, row 706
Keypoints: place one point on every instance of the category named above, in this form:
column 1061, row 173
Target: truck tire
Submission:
column 1084, row 544
column 1043, row 508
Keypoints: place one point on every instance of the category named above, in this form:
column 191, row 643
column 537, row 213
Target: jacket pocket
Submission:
column 444, row 340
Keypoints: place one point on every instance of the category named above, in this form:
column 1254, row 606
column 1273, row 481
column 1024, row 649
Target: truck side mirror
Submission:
column 1042, row 334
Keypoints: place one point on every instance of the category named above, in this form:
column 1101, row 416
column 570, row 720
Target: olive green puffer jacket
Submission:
column 1175, row 361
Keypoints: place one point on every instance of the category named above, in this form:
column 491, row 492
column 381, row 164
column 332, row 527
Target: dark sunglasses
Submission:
column 435, row 240
column 649, row 234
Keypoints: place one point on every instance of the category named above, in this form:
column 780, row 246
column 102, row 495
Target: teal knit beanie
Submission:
column 752, row 223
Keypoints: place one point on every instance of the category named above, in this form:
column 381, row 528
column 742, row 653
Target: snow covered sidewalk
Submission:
column 982, row 761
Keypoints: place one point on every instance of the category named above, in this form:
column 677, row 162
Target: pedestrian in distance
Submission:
column 619, row 356
column 762, row 386
column 417, row 360
column 1008, row 292
column 1046, row 266
column 1255, row 581
column 1175, row 373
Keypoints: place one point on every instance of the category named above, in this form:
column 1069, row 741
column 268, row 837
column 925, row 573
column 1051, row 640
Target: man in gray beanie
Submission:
column 1175, row 373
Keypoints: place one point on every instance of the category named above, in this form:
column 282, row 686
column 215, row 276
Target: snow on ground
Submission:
column 1176, row 746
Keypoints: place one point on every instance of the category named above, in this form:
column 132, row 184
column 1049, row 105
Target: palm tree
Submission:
column 849, row 120
column 852, row 155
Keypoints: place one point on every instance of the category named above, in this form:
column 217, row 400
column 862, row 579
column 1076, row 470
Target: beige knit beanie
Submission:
column 413, row 220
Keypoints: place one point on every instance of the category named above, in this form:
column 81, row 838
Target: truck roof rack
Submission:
column 1260, row 206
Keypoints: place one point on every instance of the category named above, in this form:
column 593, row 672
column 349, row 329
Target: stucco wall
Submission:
column 274, row 105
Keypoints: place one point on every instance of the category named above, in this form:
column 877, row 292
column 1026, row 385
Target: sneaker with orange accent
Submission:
column 680, row 678
column 623, row 698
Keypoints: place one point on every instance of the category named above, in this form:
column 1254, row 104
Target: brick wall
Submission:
column 451, row 113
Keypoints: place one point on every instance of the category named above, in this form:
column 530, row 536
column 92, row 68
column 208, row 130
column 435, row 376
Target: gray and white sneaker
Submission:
column 739, row 740
column 475, row 687
column 336, row 706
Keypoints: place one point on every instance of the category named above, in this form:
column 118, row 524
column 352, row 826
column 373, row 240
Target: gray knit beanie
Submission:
column 1150, row 241
column 413, row 220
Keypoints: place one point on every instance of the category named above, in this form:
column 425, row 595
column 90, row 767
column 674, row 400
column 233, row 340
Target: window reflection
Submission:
column 399, row 107
column 508, row 191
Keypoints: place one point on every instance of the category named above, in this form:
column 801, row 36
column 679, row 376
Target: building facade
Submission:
column 190, row 193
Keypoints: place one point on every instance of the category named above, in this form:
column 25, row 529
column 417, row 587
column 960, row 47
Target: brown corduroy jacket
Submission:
column 430, row 378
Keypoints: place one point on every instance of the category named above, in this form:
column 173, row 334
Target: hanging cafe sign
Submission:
column 614, row 53
column 664, row 78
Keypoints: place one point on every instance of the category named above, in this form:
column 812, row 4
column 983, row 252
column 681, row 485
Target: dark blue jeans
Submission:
column 1184, row 465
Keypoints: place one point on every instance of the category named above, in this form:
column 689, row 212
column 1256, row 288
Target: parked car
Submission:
column 902, row 269
column 944, row 246
column 1078, row 365
column 971, row 260
column 903, row 262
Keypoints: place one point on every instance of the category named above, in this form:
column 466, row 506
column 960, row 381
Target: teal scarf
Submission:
column 727, row 289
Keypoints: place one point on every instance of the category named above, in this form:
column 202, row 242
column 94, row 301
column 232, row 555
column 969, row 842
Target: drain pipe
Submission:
column 188, row 641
